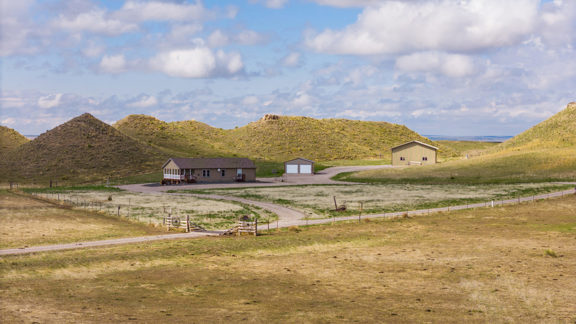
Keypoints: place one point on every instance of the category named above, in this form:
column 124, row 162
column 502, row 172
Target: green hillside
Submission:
column 82, row 149
column 559, row 131
column 10, row 139
column 546, row 152
column 274, row 138
column 185, row 138
column 285, row 137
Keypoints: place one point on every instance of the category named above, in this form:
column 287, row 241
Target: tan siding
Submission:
column 413, row 152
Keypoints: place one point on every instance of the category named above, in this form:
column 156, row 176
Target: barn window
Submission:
column 425, row 158
column 206, row 173
column 223, row 172
column 402, row 158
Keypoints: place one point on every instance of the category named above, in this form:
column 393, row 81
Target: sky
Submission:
column 448, row 67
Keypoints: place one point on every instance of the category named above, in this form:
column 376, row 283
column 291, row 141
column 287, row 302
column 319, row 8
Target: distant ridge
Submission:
column 469, row 138
column 10, row 139
column 83, row 148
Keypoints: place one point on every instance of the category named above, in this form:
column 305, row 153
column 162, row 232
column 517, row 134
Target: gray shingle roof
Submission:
column 212, row 163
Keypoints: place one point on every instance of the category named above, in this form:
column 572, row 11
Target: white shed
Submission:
column 299, row 166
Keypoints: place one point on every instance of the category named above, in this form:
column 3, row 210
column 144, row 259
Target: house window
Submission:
column 424, row 158
column 223, row 172
column 402, row 158
column 206, row 173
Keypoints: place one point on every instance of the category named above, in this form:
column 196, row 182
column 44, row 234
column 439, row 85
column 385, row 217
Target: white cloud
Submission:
column 397, row 27
column 113, row 64
column 199, row 62
column 349, row 3
column 144, row 102
column 273, row 4
column 219, row 38
column 95, row 21
column 50, row 101
column 183, row 32
column 93, row 50
column 292, row 59
column 8, row 121
column 139, row 11
column 16, row 27
column 250, row 100
column 453, row 65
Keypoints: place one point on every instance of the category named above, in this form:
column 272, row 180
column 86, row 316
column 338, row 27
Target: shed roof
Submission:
column 212, row 163
column 299, row 159
column 418, row 142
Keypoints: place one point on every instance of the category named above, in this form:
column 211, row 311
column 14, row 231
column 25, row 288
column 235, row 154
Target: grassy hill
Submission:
column 82, row 149
column 559, row 131
column 274, row 138
column 185, row 138
column 285, row 137
column 546, row 152
column 10, row 139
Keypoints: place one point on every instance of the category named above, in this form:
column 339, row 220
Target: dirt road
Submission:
column 322, row 177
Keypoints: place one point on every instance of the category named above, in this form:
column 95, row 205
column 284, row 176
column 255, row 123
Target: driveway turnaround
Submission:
column 322, row 177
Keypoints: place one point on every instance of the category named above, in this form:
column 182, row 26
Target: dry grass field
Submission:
column 503, row 265
column 152, row 208
column 25, row 221
column 318, row 200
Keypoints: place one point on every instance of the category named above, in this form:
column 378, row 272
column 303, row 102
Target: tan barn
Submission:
column 414, row 153
column 299, row 166
column 208, row 170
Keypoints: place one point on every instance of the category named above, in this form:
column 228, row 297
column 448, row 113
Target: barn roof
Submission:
column 418, row 142
column 212, row 163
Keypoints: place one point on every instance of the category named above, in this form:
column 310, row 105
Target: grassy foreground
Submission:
column 25, row 221
column 511, row 264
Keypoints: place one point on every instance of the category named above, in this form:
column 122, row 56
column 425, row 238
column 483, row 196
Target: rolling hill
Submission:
column 545, row 152
column 10, row 139
column 558, row 131
column 82, row 149
column 185, row 138
column 273, row 138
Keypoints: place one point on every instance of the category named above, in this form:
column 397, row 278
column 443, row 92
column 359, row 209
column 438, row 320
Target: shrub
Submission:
column 551, row 253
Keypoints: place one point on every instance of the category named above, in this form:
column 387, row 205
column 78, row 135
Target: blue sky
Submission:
column 451, row 67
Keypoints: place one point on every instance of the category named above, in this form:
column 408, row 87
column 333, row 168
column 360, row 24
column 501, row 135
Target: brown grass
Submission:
column 486, row 265
column 25, row 221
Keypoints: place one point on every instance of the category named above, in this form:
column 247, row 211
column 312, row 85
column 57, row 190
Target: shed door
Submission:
column 304, row 168
column 291, row 168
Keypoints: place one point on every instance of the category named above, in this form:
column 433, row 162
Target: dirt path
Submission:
column 288, row 217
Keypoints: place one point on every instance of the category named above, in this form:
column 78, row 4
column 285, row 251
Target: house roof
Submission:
column 418, row 142
column 299, row 159
column 212, row 163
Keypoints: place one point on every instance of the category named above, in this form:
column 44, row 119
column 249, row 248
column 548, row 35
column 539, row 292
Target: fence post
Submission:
column 255, row 226
column 118, row 211
column 187, row 223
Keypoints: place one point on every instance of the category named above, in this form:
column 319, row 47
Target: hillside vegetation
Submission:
column 10, row 139
column 546, row 152
column 559, row 131
column 81, row 149
column 275, row 138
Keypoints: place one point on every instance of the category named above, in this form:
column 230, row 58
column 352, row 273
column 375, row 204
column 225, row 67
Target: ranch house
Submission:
column 208, row 170
column 414, row 153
